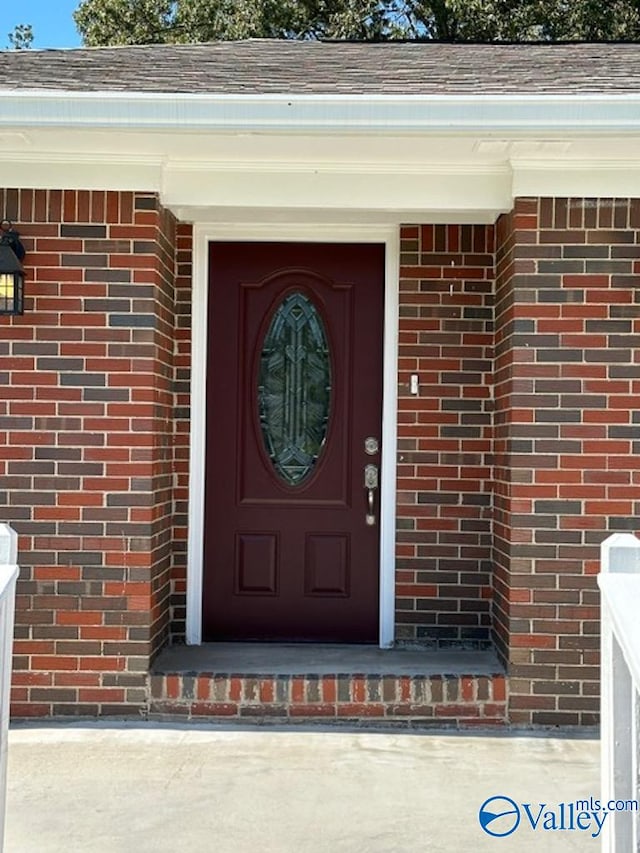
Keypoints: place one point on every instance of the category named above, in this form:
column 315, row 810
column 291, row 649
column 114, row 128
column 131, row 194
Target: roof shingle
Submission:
column 335, row 68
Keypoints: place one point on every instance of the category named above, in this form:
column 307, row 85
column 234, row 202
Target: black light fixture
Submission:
column 11, row 271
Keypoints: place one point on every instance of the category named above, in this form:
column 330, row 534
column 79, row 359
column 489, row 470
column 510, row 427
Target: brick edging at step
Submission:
column 454, row 699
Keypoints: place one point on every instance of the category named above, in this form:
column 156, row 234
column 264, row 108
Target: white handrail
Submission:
column 619, row 583
column 8, row 576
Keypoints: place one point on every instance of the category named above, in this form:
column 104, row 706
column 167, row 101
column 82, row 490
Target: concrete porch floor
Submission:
column 150, row 788
column 325, row 659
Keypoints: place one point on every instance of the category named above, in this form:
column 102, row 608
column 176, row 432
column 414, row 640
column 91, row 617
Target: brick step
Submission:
column 445, row 700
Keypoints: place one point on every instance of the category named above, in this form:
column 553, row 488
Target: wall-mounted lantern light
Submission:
column 11, row 271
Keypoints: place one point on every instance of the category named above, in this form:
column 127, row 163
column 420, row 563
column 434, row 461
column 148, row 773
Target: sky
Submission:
column 51, row 20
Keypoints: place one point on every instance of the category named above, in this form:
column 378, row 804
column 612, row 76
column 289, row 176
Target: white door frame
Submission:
column 203, row 234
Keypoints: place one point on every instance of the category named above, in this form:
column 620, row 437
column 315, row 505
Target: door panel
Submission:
column 294, row 387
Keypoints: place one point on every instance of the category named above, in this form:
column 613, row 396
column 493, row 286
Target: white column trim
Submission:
column 203, row 233
column 389, row 440
column 197, row 436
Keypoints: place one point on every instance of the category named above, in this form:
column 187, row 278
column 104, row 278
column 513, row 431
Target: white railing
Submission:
column 8, row 576
column 619, row 582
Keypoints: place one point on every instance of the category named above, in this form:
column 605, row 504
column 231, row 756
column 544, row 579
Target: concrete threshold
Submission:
column 317, row 659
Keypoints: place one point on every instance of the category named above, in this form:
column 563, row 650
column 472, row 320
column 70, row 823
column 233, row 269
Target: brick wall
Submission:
column 567, row 439
column 94, row 441
column 445, row 434
column 184, row 248
column 86, row 436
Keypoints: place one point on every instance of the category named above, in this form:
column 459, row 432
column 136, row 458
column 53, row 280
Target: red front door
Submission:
column 294, row 401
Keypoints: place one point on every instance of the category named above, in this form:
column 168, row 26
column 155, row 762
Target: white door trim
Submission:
column 203, row 233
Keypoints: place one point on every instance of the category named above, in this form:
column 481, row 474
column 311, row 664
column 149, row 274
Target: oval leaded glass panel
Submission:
column 294, row 388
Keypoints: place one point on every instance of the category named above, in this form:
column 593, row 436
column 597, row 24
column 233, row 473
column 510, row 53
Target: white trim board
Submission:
column 474, row 112
column 203, row 234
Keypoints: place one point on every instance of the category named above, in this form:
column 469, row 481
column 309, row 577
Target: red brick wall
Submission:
column 94, row 441
column 567, row 439
column 86, row 436
column 182, row 387
column 443, row 585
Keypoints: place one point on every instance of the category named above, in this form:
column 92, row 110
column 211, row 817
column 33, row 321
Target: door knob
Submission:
column 371, row 485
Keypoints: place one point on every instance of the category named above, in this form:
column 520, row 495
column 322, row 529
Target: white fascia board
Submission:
column 459, row 189
column 521, row 113
column 566, row 178
column 79, row 171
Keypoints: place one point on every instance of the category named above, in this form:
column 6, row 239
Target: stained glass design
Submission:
column 294, row 388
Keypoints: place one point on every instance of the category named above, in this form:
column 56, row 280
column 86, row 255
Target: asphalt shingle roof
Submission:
column 296, row 67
